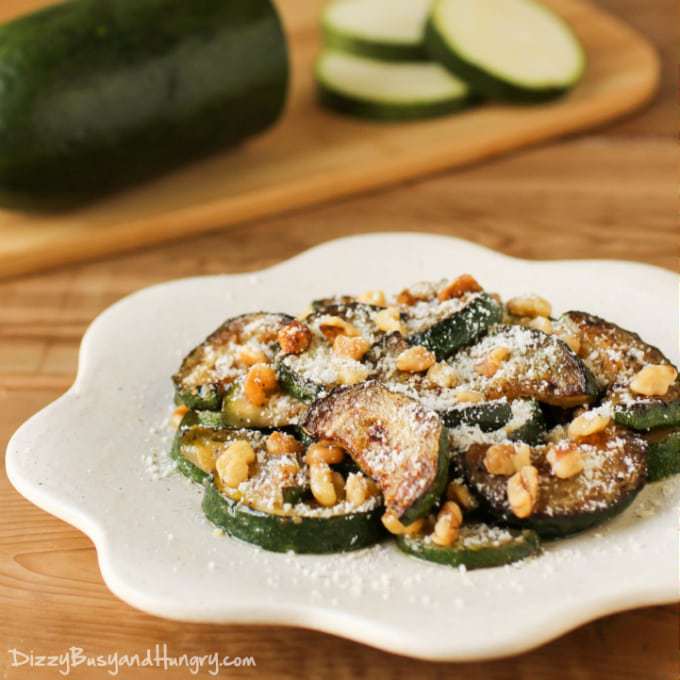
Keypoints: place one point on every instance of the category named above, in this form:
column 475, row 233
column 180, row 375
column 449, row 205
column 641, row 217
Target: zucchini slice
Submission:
column 392, row 439
column 539, row 366
column 317, row 370
column 296, row 532
column 478, row 546
column 615, row 469
column 615, row 355
column 523, row 418
column 384, row 90
column 209, row 370
column 514, row 50
column 445, row 327
column 389, row 30
column 188, row 464
column 663, row 457
column 280, row 410
column 273, row 508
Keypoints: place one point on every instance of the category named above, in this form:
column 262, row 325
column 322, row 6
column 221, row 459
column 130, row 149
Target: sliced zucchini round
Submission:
column 384, row 90
column 317, row 370
column 523, row 419
column 514, row 50
column 477, row 547
column 445, row 327
column 299, row 533
column 614, row 355
column 280, row 410
column 540, row 367
column 201, row 438
column 393, row 440
column 389, row 30
column 615, row 469
column 663, row 457
column 188, row 468
column 209, row 370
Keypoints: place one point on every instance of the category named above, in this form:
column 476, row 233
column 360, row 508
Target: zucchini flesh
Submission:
column 383, row 90
column 210, row 369
column 663, row 457
column 98, row 94
column 540, row 367
column 300, row 534
column 452, row 324
column 389, row 30
column 615, row 355
column 479, row 546
column 317, row 370
column 281, row 410
column 615, row 469
column 514, row 50
column 392, row 439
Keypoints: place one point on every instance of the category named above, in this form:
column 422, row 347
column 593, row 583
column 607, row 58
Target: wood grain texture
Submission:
column 611, row 194
column 314, row 156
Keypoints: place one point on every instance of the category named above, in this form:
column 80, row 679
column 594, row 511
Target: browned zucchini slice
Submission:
column 615, row 355
column 209, row 370
column 319, row 369
column 615, row 469
column 539, row 366
column 392, row 439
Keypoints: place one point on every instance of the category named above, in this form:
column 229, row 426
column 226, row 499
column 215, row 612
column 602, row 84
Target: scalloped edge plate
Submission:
column 96, row 459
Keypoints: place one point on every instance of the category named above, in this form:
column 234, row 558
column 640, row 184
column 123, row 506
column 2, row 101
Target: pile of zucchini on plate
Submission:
column 465, row 427
column 405, row 59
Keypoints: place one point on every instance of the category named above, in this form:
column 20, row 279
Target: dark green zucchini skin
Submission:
column 295, row 385
column 487, row 416
column 100, row 93
column 337, row 40
column 483, row 82
column 663, row 457
column 491, row 416
column 430, row 498
column 524, row 544
column 648, row 415
column 278, row 533
column 379, row 111
column 186, row 467
column 460, row 329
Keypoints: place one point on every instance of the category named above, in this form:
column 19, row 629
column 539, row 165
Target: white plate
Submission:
column 95, row 458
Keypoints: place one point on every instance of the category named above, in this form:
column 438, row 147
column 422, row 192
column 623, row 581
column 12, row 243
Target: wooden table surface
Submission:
column 610, row 194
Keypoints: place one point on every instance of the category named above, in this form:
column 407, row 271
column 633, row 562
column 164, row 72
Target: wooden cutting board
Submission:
column 314, row 156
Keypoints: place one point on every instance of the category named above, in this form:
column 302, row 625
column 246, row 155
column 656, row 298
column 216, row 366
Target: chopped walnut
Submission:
column 458, row 287
column 294, row 338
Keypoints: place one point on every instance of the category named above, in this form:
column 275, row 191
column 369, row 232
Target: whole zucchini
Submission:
column 100, row 93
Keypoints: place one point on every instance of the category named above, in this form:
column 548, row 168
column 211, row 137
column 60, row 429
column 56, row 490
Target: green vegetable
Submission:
column 663, row 457
column 392, row 439
column 388, row 30
column 293, row 532
column 461, row 328
column 491, row 416
column 210, row 370
column 514, row 50
column 539, row 366
column 615, row 355
column 281, row 410
column 616, row 471
column 478, row 546
column 316, row 371
column 100, row 93
column 384, row 90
